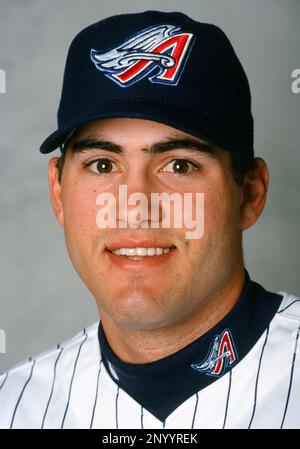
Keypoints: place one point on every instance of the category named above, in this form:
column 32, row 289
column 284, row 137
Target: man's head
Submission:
column 108, row 153
column 159, row 103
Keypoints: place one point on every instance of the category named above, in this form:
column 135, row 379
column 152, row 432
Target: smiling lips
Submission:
column 141, row 251
column 134, row 247
column 137, row 249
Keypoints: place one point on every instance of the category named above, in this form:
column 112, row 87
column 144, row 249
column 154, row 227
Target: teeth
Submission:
column 140, row 251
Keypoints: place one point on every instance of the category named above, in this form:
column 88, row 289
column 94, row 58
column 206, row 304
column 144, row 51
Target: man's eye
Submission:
column 180, row 167
column 101, row 166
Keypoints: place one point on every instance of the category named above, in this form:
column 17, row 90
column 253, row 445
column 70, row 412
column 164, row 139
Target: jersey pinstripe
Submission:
column 69, row 387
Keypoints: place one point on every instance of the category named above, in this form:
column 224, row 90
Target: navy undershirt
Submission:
column 161, row 386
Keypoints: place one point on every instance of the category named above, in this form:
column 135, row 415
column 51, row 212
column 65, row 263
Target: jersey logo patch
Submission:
column 221, row 355
column 161, row 50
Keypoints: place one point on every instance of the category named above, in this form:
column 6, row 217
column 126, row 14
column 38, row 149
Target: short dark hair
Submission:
column 241, row 164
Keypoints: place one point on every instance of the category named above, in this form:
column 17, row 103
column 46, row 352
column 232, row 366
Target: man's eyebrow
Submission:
column 156, row 148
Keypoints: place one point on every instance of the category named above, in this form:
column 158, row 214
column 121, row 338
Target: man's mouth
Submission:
column 135, row 249
column 142, row 251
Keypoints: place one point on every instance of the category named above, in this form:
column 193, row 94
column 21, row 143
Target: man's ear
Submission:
column 254, row 194
column 55, row 190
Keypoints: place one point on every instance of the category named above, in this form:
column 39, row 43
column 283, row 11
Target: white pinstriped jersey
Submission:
column 69, row 387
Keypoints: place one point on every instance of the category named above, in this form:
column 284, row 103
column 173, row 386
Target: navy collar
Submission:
column 155, row 385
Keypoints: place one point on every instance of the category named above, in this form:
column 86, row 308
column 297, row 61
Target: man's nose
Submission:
column 139, row 178
column 141, row 206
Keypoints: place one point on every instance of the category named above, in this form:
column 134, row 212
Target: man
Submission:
column 158, row 103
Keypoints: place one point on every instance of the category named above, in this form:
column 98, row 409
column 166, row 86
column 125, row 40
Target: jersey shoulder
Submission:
column 15, row 379
column 67, row 345
column 289, row 306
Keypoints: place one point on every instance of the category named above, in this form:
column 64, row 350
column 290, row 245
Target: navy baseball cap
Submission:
column 161, row 66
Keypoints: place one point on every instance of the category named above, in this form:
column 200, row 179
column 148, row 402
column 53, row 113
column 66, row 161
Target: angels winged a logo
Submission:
column 162, row 50
column 221, row 355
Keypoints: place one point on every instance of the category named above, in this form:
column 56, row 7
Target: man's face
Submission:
column 158, row 290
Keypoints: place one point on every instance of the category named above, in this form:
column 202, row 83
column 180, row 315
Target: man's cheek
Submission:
column 80, row 208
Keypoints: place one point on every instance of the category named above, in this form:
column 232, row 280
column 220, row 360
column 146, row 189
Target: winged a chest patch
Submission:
column 221, row 355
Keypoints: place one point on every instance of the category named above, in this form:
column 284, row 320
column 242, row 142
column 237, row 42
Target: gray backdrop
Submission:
column 42, row 300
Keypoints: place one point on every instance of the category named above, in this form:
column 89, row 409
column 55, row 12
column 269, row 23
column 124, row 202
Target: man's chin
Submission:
column 138, row 312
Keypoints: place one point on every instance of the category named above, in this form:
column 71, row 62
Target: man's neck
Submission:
column 144, row 346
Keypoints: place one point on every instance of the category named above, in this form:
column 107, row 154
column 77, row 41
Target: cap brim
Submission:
column 198, row 126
